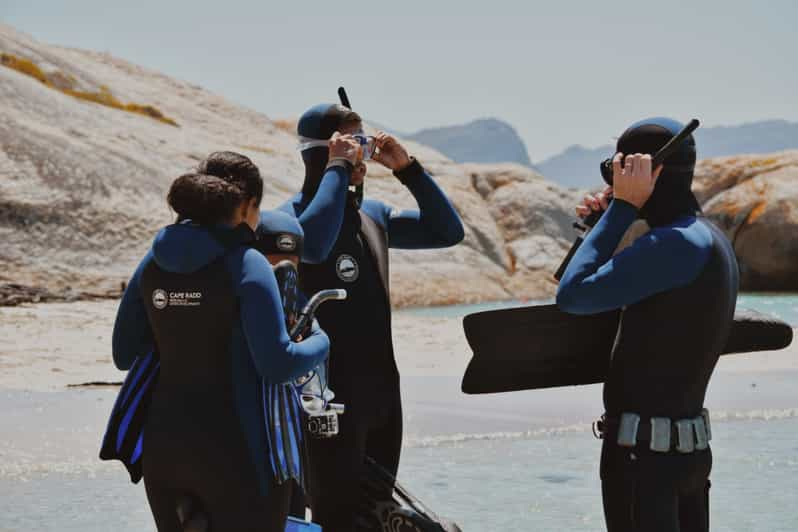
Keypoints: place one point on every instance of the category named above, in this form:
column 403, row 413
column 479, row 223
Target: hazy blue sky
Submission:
column 562, row 72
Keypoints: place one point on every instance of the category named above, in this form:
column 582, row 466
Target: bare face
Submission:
column 248, row 212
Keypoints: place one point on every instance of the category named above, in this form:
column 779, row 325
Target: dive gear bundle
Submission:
column 314, row 395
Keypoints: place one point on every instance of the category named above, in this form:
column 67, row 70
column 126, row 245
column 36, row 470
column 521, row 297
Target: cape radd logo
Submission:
column 347, row 269
column 159, row 299
column 286, row 243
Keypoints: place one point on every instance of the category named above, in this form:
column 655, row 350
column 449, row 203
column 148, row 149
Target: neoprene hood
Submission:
column 279, row 233
column 673, row 196
column 320, row 122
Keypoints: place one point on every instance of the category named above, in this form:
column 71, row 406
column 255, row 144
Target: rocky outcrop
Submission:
column 754, row 199
column 82, row 188
column 82, row 183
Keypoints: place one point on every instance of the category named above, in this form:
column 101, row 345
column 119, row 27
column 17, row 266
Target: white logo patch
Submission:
column 347, row 269
column 286, row 243
column 159, row 299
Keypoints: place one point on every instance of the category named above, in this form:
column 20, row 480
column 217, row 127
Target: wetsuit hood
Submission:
column 186, row 247
column 673, row 196
column 320, row 122
column 280, row 234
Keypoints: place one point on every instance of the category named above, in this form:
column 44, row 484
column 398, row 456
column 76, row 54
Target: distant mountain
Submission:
column 577, row 166
column 487, row 140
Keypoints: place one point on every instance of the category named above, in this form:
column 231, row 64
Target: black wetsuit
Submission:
column 192, row 420
column 363, row 371
column 214, row 316
column 677, row 286
column 364, row 376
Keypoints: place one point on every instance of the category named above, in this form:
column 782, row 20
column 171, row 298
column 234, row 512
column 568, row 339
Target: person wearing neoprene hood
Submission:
column 207, row 303
column 677, row 287
column 352, row 253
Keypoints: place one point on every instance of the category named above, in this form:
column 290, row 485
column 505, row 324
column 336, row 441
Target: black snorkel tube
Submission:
column 592, row 219
column 345, row 102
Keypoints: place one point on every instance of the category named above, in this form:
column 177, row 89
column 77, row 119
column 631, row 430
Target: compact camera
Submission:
column 325, row 424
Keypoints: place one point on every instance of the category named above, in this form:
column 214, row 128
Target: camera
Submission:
column 325, row 424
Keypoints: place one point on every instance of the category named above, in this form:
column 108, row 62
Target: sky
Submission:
column 561, row 72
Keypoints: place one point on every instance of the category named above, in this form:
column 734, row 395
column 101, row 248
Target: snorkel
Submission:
column 314, row 129
column 584, row 225
column 369, row 141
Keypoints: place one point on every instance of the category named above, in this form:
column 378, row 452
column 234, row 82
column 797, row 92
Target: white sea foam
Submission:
column 463, row 437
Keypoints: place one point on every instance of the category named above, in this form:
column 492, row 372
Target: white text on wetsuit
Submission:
column 185, row 299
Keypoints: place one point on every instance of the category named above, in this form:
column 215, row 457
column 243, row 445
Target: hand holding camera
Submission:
column 345, row 147
column 390, row 153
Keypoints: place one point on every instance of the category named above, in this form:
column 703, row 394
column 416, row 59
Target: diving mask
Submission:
column 368, row 144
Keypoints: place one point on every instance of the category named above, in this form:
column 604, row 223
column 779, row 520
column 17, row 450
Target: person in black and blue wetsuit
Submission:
column 677, row 285
column 346, row 246
column 208, row 305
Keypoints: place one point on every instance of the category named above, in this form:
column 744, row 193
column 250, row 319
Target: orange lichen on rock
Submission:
column 757, row 163
column 289, row 126
column 64, row 83
column 756, row 212
column 24, row 66
column 260, row 149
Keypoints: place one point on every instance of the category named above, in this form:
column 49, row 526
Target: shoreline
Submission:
column 50, row 346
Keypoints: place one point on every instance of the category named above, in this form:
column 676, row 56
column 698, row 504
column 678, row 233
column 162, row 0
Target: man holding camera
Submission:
column 351, row 252
column 677, row 288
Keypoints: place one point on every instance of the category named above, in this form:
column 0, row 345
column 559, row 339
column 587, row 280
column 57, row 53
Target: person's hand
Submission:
column 390, row 153
column 634, row 181
column 594, row 203
column 344, row 147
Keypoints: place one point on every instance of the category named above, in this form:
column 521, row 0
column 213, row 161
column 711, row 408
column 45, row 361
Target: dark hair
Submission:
column 236, row 169
column 204, row 199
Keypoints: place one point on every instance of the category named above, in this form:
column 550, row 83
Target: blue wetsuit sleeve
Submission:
column 435, row 224
column 662, row 259
column 321, row 219
column 132, row 334
column 276, row 358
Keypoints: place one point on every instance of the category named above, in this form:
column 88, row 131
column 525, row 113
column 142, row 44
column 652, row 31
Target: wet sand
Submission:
column 50, row 346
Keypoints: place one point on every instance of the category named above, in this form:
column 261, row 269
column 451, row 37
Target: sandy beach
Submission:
column 51, row 346
column 519, row 461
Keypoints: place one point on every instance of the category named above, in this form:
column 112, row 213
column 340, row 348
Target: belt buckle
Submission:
column 598, row 427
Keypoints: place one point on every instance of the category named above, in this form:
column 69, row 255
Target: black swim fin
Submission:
column 387, row 505
column 543, row 347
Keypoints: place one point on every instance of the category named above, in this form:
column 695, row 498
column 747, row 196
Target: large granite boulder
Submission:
column 754, row 199
column 85, row 164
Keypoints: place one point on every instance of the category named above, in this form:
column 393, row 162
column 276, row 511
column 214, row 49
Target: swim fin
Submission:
column 124, row 438
column 387, row 505
column 543, row 347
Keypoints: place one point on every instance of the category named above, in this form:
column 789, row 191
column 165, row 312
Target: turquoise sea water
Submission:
column 783, row 306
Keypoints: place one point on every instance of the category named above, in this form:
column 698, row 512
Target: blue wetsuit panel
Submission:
column 666, row 257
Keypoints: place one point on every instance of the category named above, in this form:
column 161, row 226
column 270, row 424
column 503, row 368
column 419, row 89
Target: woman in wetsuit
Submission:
column 208, row 305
